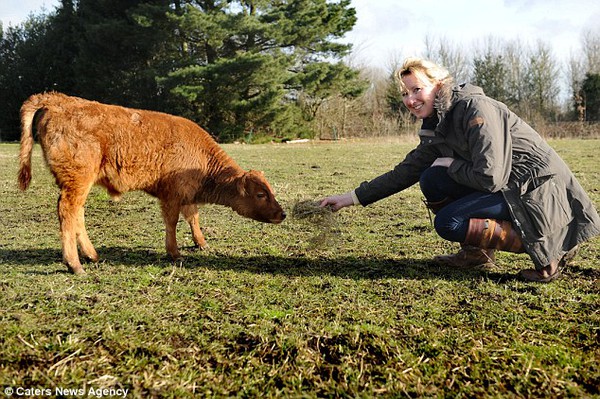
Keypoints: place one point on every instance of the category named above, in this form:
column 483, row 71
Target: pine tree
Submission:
column 22, row 70
column 118, row 46
column 591, row 93
column 244, row 64
column 491, row 73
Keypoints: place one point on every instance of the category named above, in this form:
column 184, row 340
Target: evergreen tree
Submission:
column 117, row 50
column 59, row 50
column 243, row 64
column 591, row 93
column 320, row 81
column 395, row 101
column 22, row 71
column 490, row 73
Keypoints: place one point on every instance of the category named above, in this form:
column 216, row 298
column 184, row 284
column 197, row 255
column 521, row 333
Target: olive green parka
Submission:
column 495, row 150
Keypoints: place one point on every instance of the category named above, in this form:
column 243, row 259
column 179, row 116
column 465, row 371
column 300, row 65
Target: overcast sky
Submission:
column 389, row 30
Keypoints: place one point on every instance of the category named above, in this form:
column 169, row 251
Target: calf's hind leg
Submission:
column 72, row 229
column 170, row 214
column 86, row 246
column 190, row 213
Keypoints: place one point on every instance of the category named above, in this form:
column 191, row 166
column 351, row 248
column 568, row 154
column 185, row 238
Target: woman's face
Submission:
column 419, row 97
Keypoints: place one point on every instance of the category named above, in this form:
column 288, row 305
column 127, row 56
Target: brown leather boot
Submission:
column 469, row 257
column 550, row 272
column 494, row 234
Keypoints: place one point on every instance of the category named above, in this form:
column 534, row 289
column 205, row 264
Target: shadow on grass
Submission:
column 354, row 267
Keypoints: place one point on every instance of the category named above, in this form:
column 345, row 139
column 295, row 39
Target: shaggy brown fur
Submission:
column 86, row 143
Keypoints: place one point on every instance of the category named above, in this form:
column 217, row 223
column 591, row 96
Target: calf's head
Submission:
column 256, row 199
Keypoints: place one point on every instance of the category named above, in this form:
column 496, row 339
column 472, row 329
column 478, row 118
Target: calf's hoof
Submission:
column 93, row 258
column 76, row 269
column 199, row 247
column 74, row 266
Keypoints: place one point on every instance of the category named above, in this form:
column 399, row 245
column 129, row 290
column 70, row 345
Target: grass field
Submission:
column 267, row 311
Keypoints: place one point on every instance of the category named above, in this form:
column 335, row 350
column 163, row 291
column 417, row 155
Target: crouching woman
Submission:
column 492, row 181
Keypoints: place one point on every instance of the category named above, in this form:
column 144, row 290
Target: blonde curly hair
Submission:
column 424, row 70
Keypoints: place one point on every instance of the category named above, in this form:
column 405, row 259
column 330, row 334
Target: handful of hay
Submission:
column 311, row 210
column 322, row 218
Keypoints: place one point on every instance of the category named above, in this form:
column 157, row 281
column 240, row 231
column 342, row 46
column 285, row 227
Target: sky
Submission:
column 390, row 30
column 387, row 30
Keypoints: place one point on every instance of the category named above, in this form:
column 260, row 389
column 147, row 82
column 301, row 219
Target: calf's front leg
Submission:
column 190, row 213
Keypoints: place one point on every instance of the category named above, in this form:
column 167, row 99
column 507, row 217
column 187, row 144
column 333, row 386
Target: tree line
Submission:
column 238, row 68
column 272, row 69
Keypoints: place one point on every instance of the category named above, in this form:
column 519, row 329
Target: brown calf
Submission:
column 86, row 143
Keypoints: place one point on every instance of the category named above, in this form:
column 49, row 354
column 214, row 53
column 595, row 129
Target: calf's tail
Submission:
column 28, row 110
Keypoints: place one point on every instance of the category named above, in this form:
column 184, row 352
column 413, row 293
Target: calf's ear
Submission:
column 242, row 183
column 249, row 180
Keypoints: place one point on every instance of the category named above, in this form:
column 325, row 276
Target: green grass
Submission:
column 263, row 312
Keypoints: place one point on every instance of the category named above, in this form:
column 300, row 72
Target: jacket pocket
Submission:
column 545, row 200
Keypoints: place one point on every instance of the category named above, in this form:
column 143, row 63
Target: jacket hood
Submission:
column 448, row 96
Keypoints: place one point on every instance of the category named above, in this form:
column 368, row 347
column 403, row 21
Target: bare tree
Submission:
column 581, row 64
column 542, row 81
column 515, row 55
column 443, row 52
column 575, row 71
column 575, row 74
column 591, row 49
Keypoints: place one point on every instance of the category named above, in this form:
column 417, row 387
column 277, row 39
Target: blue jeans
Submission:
column 452, row 221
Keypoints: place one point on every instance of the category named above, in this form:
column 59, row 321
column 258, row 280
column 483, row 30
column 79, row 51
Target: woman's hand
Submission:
column 445, row 162
column 337, row 202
